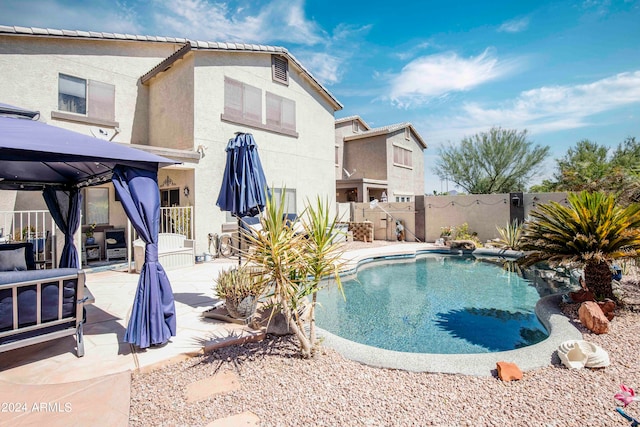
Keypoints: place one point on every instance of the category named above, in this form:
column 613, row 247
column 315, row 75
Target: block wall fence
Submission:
column 424, row 218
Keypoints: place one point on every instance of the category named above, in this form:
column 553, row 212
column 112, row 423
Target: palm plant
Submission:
column 295, row 264
column 592, row 231
column 510, row 235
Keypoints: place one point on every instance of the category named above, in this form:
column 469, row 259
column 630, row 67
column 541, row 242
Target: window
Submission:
column 402, row 156
column 96, row 205
column 356, row 126
column 88, row 97
column 289, row 200
column 243, row 104
column 170, row 197
column 281, row 113
column 407, row 133
column 72, row 94
column 337, row 155
column 402, row 199
column 280, row 69
column 242, row 101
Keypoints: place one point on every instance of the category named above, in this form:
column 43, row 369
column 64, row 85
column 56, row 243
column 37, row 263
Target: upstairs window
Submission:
column 289, row 199
column 356, row 126
column 281, row 113
column 280, row 69
column 402, row 156
column 242, row 101
column 91, row 98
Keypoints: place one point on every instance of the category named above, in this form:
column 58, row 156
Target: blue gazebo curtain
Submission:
column 64, row 206
column 153, row 317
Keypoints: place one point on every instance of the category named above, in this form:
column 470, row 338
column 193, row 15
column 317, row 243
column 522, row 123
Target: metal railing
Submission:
column 177, row 219
column 36, row 226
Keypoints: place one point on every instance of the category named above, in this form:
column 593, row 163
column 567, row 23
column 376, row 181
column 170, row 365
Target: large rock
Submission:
column 592, row 317
column 466, row 245
column 582, row 295
column 508, row 371
column 608, row 307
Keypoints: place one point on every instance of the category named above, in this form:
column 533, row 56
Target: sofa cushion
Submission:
column 13, row 260
column 28, row 252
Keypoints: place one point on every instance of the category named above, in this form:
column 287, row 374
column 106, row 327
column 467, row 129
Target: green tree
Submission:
column 590, row 166
column 583, row 167
column 497, row 161
column 592, row 231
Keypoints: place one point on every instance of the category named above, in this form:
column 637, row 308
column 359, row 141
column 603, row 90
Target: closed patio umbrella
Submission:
column 243, row 185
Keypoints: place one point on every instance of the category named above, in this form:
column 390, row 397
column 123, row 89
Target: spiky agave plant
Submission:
column 592, row 230
column 510, row 235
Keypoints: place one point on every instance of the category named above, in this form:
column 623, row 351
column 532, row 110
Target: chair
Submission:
column 115, row 243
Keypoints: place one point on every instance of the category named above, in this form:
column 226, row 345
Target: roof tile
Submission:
column 206, row 45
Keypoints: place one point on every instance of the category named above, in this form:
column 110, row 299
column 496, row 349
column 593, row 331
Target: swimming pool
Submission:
column 435, row 304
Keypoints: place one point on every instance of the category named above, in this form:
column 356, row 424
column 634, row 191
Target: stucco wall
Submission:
column 368, row 156
column 181, row 108
column 402, row 180
column 306, row 163
column 30, row 68
column 483, row 212
column 383, row 218
column 171, row 106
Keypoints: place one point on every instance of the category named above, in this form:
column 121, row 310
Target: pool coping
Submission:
column 478, row 364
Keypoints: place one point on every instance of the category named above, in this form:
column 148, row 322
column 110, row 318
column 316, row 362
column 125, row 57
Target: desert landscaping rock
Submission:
column 282, row 389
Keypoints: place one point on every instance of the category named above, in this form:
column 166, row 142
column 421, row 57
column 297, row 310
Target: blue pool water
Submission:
column 434, row 304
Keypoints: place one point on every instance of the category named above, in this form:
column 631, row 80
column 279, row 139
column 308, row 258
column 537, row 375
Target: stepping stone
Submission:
column 222, row 382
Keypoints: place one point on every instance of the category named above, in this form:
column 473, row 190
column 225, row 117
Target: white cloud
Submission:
column 514, row 25
column 435, row 76
column 279, row 21
column 326, row 68
column 545, row 109
column 410, row 53
column 99, row 15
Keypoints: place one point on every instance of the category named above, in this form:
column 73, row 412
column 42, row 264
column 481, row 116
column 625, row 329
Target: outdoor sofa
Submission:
column 38, row 305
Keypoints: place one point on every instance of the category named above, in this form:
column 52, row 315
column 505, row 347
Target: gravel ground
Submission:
column 285, row 390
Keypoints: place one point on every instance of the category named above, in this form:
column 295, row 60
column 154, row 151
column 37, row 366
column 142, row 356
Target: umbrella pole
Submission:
column 240, row 239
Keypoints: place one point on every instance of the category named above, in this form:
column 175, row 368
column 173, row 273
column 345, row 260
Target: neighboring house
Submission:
column 182, row 99
column 385, row 163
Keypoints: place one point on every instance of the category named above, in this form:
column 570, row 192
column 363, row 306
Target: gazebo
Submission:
column 36, row 156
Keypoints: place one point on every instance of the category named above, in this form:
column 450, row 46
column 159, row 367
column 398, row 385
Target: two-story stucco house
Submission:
column 182, row 99
column 385, row 163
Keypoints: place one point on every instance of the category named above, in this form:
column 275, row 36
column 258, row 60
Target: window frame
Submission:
column 249, row 111
column 402, row 157
column 96, row 111
column 280, row 124
column 290, row 199
column 92, row 199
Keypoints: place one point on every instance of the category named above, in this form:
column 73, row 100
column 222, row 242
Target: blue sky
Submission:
column 563, row 70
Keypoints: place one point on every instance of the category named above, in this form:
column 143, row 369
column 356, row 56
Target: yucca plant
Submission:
column 323, row 256
column 591, row 231
column 510, row 235
column 295, row 263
